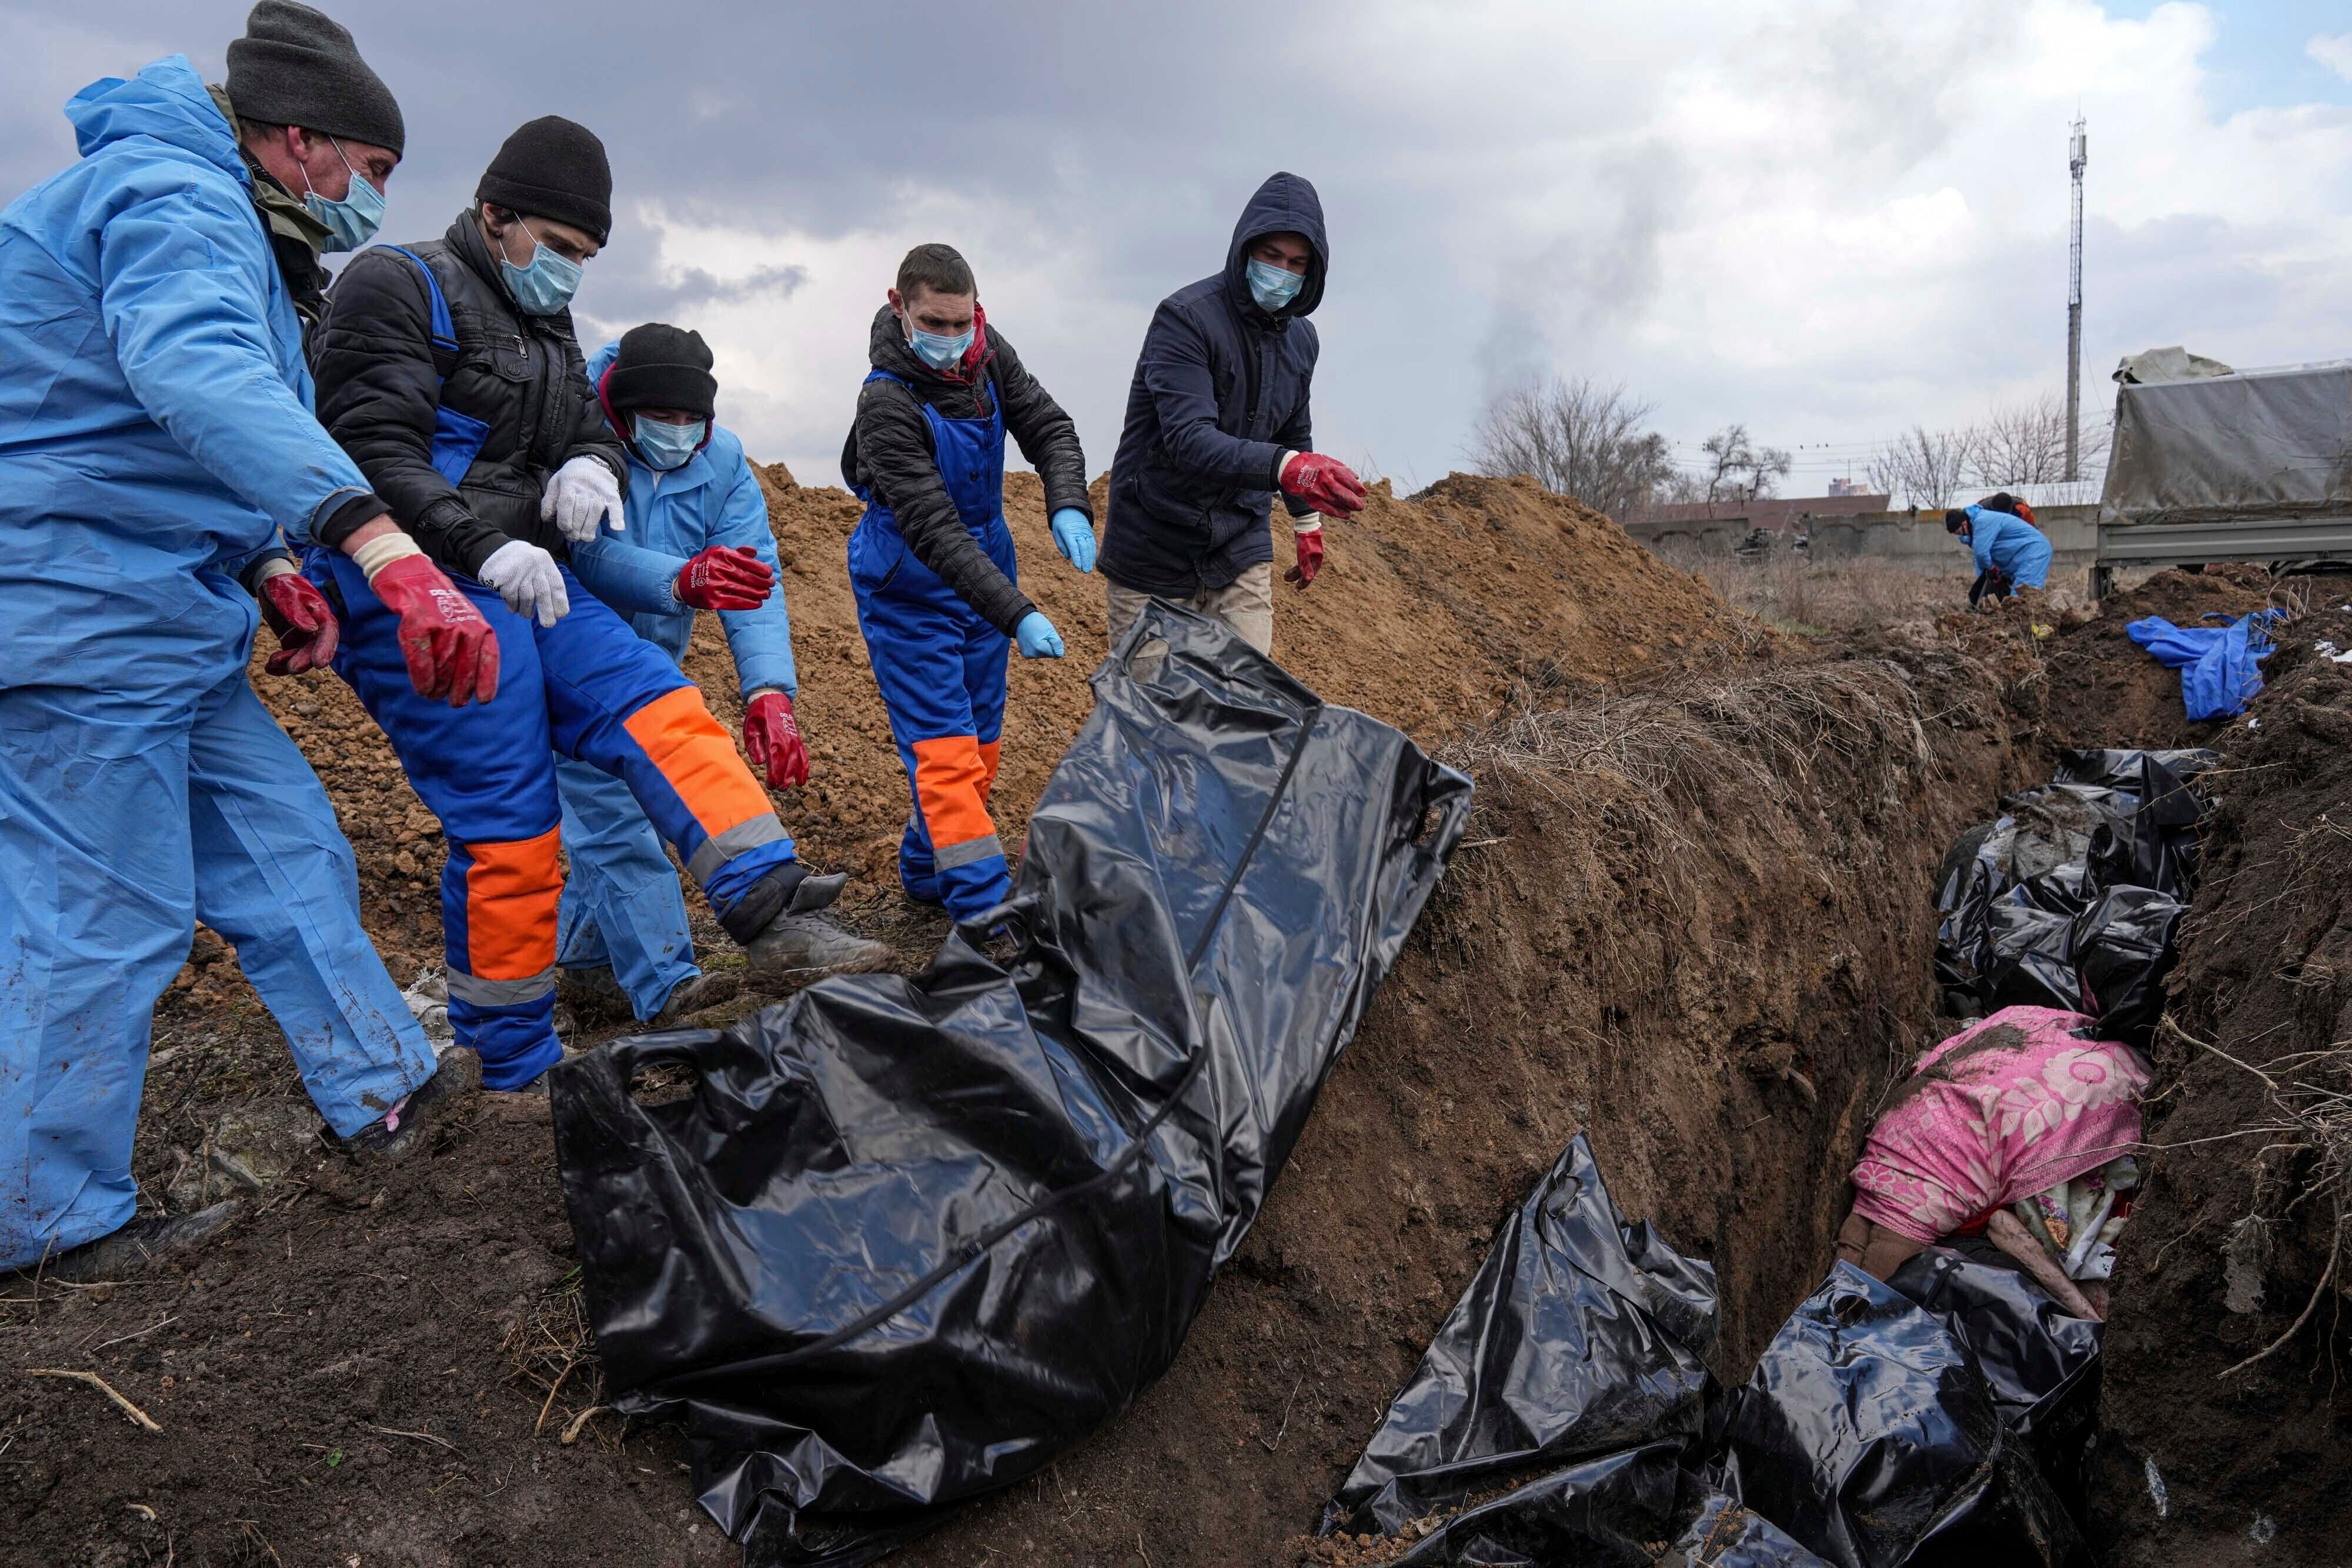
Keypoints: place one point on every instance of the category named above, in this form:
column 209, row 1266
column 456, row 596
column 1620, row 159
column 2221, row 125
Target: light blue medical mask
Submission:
column 351, row 222
column 666, row 447
column 546, row 285
column 1273, row 286
column 936, row 350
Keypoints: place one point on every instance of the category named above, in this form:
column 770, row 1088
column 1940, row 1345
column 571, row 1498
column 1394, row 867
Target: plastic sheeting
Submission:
column 2263, row 443
column 2031, row 906
column 2220, row 667
column 1581, row 1334
column 1886, row 1426
column 2041, row 1363
column 907, row 1238
column 1870, row 1435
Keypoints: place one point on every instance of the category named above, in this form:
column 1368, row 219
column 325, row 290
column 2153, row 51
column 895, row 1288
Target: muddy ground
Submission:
column 1691, row 919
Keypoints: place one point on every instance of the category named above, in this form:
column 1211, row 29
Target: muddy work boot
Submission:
column 138, row 1244
column 781, row 933
column 692, row 995
column 404, row 1127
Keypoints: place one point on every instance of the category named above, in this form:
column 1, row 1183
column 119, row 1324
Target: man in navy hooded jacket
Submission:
column 1217, row 422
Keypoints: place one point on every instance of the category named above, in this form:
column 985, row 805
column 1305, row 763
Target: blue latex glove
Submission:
column 1075, row 538
column 1037, row 638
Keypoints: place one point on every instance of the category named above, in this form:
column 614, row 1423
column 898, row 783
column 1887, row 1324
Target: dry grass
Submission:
column 1793, row 593
column 1678, row 749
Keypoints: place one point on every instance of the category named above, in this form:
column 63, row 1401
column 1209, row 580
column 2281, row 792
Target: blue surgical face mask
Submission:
column 666, row 447
column 351, row 222
column 1273, row 286
column 938, row 350
column 546, row 285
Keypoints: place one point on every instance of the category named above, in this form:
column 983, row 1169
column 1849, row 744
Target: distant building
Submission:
column 1846, row 488
column 1777, row 512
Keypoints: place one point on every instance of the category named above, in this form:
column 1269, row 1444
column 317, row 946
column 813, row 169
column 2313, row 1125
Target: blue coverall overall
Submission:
column 2016, row 546
column 942, row 669
column 622, row 905
column 156, row 435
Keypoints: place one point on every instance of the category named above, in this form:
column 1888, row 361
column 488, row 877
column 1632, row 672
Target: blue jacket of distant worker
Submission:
column 2011, row 545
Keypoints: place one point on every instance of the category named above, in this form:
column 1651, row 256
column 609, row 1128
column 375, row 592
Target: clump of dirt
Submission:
column 2226, row 1350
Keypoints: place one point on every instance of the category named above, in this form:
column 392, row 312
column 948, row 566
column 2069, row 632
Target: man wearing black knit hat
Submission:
column 156, row 445
column 449, row 370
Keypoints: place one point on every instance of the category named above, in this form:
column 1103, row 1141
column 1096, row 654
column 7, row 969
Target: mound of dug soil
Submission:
column 2229, row 1339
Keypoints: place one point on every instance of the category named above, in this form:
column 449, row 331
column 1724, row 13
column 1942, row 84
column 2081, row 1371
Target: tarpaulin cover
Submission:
column 2260, row 444
column 2040, row 1361
column 2122, row 947
column 1581, row 1334
column 1869, row 1434
column 2128, row 769
column 906, row 1239
column 2220, row 667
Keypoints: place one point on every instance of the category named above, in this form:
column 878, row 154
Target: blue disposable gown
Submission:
column 155, row 433
column 622, row 902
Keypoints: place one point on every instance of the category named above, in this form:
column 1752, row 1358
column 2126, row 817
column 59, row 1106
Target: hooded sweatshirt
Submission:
column 156, row 426
column 1220, row 395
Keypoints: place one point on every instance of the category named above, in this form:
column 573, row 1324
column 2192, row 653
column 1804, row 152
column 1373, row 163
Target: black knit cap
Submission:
column 661, row 366
column 1955, row 520
column 553, row 168
column 296, row 66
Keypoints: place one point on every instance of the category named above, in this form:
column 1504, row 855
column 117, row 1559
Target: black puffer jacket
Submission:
column 1220, row 393
column 889, row 452
column 523, row 376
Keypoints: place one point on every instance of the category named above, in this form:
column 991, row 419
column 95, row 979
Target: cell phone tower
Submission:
column 2077, row 154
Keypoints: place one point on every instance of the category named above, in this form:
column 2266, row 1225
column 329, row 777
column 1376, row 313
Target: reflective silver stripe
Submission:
column 966, row 852
column 717, row 850
column 465, row 988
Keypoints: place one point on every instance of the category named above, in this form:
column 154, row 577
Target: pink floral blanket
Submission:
column 2011, row 1105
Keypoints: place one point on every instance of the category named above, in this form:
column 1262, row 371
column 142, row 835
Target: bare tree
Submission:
column 1575, row 437
column 2025, row 443
column 1734, row 468
column 1924, row 468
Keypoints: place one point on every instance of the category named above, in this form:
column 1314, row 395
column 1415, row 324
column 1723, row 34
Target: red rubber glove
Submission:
column 721, row 578
column 773, row 738
column 451, row 651
column 1310, row 558
column 304, row 621
column 1324, row 483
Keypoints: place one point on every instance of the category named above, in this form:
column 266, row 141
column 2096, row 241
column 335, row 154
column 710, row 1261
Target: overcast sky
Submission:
column 1828, row 220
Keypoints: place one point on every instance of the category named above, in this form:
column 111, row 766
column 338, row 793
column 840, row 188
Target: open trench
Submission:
column 1691, row 919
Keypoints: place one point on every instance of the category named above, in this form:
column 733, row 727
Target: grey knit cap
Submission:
column 296, row 66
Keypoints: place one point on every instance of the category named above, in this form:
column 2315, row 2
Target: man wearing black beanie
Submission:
column 156, row 445
column 450, row 370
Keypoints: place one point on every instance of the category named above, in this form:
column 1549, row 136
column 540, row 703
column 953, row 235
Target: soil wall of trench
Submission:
column 1690, row 919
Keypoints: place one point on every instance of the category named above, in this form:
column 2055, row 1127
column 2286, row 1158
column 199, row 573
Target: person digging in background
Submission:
column 449, row 371
column 2010, row 553
column 1217, row 421
column 155, row 439
column 697, row 538
column 932, row 564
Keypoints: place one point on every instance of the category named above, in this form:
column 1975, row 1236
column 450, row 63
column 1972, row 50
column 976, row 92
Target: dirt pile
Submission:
column 2226, row 1350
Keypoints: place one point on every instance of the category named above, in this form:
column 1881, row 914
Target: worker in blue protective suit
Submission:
column 697, row 538
column 155, row 438
column 2010, row 553
column 938, row 596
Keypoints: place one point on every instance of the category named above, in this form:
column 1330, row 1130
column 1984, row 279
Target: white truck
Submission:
column 2216, row 464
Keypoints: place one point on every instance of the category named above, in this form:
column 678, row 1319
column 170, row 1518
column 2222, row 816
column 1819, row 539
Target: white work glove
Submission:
column 525, row 576
column 580, row 495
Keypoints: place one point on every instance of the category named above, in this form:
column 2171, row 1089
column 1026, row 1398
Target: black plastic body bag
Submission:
column 907, row 1239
